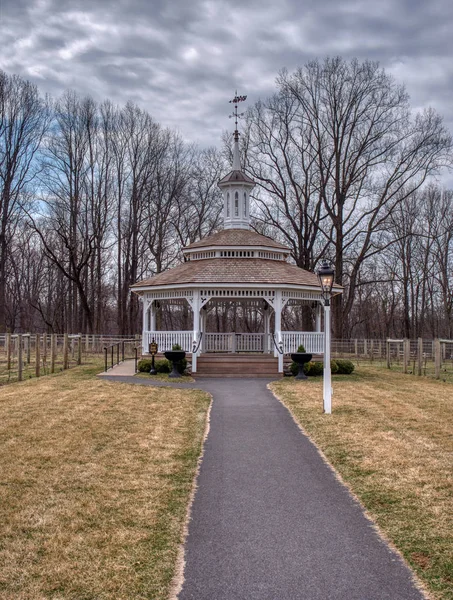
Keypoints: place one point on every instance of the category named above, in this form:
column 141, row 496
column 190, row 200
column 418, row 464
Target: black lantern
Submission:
column 326, row 274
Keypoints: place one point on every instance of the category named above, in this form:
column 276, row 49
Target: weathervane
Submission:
column 235, row 114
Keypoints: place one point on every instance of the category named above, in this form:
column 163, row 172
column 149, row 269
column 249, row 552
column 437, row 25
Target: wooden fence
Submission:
column 26, row 355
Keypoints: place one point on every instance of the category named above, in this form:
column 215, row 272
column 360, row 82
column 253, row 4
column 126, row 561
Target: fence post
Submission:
column 44, row 350
column 29, row 349
column 53, row 349
column 406, row 354
column 65, row 352
column 387, row 351
column 437, row 357
column 419, row 356
column 371, row 350
column 79, row 350
column 365, row 349
column 37, row 355
column 8, row 350
column 19, row 357
column 356, row 349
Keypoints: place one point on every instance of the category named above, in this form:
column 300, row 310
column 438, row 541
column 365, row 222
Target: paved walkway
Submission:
column 269, row 519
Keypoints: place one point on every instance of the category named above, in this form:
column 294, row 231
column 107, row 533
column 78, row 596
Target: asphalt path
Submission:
column 270, row 521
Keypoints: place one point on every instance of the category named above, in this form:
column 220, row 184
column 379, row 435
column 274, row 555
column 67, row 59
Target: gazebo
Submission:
column 235, row 265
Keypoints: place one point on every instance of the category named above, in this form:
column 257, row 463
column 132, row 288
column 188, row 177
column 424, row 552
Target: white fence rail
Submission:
column 311, row 341
column 167, row 339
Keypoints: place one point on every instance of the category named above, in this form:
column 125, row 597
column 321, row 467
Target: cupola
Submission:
column 236, row 186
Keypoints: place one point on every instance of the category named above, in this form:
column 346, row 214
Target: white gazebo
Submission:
column 234, row 265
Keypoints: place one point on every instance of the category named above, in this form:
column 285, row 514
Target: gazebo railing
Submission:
column 236, row 342
column 167, row 339
column 313, row 342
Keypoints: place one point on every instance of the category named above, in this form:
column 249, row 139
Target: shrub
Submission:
column 314, row 368
column 301, row 348
column 144, row 365
column 162, row 365
column 345, row 367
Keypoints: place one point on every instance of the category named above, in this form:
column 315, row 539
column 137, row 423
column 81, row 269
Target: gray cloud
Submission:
column 183, row 60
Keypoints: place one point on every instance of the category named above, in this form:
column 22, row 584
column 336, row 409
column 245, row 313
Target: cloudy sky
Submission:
column 183, row 59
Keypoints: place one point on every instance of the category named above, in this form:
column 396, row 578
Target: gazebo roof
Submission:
column 219, row 271
column 237, row 237
column 236, row 176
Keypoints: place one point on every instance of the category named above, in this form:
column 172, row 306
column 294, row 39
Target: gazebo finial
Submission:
column 236, row 115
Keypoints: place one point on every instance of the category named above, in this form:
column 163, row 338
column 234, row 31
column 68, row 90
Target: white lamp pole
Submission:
column 327, row 392
column 326, row 276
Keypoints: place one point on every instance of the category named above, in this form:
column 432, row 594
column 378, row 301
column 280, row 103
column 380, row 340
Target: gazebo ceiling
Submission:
column 219, row 271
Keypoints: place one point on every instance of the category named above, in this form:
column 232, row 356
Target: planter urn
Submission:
column 175, row 357
column 301, row 358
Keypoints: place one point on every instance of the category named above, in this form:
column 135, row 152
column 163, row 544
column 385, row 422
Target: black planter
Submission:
column 175, row 357
column 301, row 358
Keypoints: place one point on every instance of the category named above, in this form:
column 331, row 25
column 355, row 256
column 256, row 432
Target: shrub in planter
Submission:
column 345, row 367
column 294, row 367
column 183, row 363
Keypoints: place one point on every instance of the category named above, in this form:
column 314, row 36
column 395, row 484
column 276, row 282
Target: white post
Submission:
column 145, row 326
column 327, row 392
column 318, row 317
column 153, row 317
column 196, row 327
column 203, row 328
column 267, row 323
column 278, row 327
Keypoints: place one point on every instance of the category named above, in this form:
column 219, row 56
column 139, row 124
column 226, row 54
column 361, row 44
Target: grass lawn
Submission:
column 96, row 478
column 165, row 377
column 390, row 438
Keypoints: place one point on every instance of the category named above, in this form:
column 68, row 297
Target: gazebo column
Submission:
column 196, row 328
column 203, row 326
column 267, row 328
column 278, row 328
column 152, row 309
column 318, row 314
column 145, row 326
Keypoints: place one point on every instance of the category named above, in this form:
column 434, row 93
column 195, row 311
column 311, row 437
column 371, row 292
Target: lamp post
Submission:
column 326, row 276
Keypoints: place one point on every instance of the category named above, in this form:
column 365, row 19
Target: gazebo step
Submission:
column 237, row 365
column 239, row 375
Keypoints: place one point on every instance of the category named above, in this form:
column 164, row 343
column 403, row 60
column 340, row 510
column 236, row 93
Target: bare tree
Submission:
column 24, row 119
column 368, row 152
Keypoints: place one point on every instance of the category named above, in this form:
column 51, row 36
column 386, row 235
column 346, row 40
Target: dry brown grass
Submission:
column 95, row 484
column 390, row 438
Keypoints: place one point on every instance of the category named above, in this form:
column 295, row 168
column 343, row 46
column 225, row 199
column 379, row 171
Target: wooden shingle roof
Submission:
column 233, row 271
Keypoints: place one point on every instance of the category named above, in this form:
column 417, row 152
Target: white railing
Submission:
column 313, row 342
column 218, row 342
column 167, row 339
column 250, row 342
column 236, row 342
